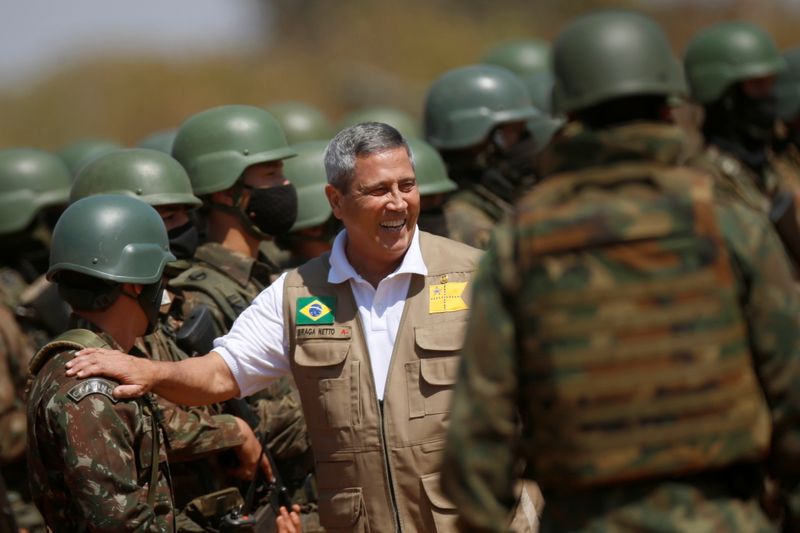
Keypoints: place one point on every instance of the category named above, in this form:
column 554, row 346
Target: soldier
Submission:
column 159, row 140
column 731, row 68
column 234, row 158
column 433, row 185
column 160, row 181
column 315, row 228
column 475, row 116
column 88, row 449
column 396, row 118
column 301, row 122
column 523, row 56
column 644, row 331
column 77, row 153
column 787, row 95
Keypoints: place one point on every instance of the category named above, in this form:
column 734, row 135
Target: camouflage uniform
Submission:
column 471, row 214
column 625, row 310
column 91, row 456
column 226, row 282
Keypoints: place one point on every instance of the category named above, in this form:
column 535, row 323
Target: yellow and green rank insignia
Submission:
column 315, row 310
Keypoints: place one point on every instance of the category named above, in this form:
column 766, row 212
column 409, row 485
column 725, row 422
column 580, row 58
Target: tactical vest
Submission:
column 378, row 462
column 230, row 298
column 78, row 339
column 637, row 362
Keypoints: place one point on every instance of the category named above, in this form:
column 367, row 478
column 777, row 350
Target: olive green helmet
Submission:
column 111, row 237
column 152, row 176
column 399, row 120
column 524, row 56
column 160, row 140
column 612, row 54
column 727, row 53
column 216, row 146
column 430, row 169
column 307, row 173
column 787, row 88
column 30, row 180
column 464, row 105
column 79, row 153
column 301, row 122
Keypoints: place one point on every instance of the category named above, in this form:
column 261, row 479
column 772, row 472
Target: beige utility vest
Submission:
column 378, row 462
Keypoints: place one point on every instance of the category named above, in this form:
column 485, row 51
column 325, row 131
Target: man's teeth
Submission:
column 393, row 224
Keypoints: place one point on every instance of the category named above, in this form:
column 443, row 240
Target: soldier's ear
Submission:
column 335, row 199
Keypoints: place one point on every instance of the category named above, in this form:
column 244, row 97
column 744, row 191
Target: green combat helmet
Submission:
column 307, row 173
column 728, row 53
column 643, row 62
column 399, row 120
column 111, row 237
column 787, row 89
column 215, row 146
column 464, row 105
column 540, row 88
column 301, row 122
column 521, row 57
column 160, row 140
column 152, row 176
column 30, row 180
column 430, row 169
column 78, row 153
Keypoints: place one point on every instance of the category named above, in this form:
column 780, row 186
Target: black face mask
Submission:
column 272, row 211
column 736, row 117
column 183, row 241
column 150, row 301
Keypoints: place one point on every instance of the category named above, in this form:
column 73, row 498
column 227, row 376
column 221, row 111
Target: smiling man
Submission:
column 371, row 333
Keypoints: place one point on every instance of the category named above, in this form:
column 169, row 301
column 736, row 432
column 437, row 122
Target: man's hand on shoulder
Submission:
column 135, row 374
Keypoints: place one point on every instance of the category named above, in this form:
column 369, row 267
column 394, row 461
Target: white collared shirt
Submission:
column 256, row 348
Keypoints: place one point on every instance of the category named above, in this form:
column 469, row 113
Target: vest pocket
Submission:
column 343, row 510
column 443, row 511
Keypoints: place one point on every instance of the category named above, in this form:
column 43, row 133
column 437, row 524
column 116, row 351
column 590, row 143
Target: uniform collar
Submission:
column 341, row 270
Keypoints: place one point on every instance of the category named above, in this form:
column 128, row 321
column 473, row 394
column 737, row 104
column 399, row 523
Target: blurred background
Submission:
column 122, row 70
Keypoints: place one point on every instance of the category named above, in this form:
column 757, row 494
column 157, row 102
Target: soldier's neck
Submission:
column 225, row 229
column 124, row 332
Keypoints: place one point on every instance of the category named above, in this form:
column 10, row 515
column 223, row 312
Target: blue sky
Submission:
column 37, row 36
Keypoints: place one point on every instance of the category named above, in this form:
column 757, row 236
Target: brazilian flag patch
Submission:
column 315, row 310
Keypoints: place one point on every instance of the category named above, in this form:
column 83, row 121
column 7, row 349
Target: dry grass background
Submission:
column 337, row 55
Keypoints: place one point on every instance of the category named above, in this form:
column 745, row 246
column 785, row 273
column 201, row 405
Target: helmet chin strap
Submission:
column 238, row 210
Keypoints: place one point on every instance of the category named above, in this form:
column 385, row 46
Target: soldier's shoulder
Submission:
column 51, row 385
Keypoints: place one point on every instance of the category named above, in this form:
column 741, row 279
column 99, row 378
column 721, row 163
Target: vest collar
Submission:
column 341, row 270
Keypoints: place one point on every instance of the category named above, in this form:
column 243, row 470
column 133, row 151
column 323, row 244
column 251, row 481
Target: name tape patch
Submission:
column 92, row 386
column 322, row 332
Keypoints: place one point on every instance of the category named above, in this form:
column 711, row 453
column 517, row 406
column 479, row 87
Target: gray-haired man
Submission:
column 371, row 333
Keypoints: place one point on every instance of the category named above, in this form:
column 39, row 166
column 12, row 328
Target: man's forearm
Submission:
column 194, row 381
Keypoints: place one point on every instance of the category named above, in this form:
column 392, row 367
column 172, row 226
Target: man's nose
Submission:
column 397, row 200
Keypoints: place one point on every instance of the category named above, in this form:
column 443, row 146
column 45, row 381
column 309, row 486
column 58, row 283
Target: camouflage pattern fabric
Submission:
column 90, row 455
column 620, row 176
column 472, row 214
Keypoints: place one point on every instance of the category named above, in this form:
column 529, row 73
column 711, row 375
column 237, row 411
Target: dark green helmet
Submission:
column 301, row 122
column 307, row 173
column 216, row 146
column 160, row 140
column 30, row 180
column 787, row 89
column 111, row 237
column 612, row 54
column 78, row 153
column 524, row 56
column 152, row 176
column 430, row 169
column 540, row 88
column 464, row 105
column 727, row 53
column 399, row 120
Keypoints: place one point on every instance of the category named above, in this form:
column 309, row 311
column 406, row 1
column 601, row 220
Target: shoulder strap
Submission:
column 74, row 339
column 226, row 293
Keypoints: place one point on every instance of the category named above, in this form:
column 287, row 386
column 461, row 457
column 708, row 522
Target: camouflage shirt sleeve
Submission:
column 479, row 459
column 12, row 409
column 772, row 309
column 195, row 432
column 106, row 461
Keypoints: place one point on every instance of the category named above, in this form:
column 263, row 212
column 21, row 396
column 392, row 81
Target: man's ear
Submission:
column 222, row 197
column 335, row 199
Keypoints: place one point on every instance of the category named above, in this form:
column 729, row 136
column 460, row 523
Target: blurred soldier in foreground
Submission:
column 433, row 185
column 787, row 94
column 301, row 122
column 86, row 448
column 316, row 227
column 475, row 116
column 160, row 181
column 731, row 68
column 234, row 158
column 645, row 332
